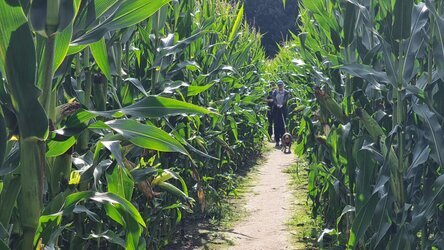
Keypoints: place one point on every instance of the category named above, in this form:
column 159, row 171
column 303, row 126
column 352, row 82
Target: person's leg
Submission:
column 280, row 132
column 278, row 127
column 270, row 123
column 285, row 119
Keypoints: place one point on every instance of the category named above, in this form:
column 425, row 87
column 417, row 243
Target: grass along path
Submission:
column 303, row 228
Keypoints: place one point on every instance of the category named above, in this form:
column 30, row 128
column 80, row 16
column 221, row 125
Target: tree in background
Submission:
column 273, row 20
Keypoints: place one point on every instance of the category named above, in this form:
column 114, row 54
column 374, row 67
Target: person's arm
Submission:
column 287, row 97
column 285, row 107
column 269, row 98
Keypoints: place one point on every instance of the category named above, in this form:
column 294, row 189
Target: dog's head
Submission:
column 286, row 139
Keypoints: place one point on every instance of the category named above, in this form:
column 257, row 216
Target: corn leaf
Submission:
column 62, row 46
column 362, row 221
column 438, row 40
column 195, row 90
column 154, row 107
column 8, row 198
column 146, row 136
column 120, row 183
column 100, row 54
column 104, row 198
column 420, row 17
column 16, row 42
column 56, row 148
column 129, row 13
column 237, row 23
column 434, row 132
column 403, row 17
column 173, row 189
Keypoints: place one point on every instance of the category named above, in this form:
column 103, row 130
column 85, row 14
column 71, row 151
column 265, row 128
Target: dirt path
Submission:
column 268, row 207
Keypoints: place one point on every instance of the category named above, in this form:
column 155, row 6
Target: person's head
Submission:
column 272, row 85
column 280, row 85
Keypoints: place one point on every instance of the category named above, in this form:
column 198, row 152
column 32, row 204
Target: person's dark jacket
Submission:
column 270, row 96
column 284, row 107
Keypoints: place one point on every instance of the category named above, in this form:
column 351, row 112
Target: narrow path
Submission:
column 269, row 207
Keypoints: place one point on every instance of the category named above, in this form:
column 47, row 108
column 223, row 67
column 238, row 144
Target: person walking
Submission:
column 280, row 113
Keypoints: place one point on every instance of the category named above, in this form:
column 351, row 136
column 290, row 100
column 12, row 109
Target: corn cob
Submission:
column 328, row 103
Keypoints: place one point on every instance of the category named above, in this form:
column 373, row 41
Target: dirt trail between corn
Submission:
column 269, row 207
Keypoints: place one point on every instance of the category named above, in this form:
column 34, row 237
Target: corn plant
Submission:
column 105, row 125
column 373, row 129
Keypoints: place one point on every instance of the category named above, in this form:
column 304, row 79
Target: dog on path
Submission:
column 286, row 143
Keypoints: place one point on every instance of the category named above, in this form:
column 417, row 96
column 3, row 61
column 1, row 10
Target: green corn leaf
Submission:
column 163, row 177
column 8, row 197
column 90, row 214
column 432, row 199
column 16, row 42
column 401, row 239
column 133, row 236
column 62, row 46
column 137, row 84
column 382, row 219
column 3, row 245
column 104, row 198
column 349, row 23
column 146, row 136
column 182, row 140
column 102, row 6
column 79, row 119
column 363, row 182
column 177, row 48
column 116, row 151
column 129, row 13
column 362, row 221
column 195, row 90
column 114, row 214
column 438, row 40
column 154, row 107
column 174, row 190
column 67, row 12
column 365, row 72
column 420, row 155
column 3, row 137
column 237, row 23
column 141, row 174
column 100, row 54
column 403, row 17
column 109, row 236
column 434, row 132
column 56, row 148
column 74, row 49
column 120, row 183
column 37, row 15
column 420, row 16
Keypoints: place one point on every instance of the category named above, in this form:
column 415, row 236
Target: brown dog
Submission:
column 286, row 143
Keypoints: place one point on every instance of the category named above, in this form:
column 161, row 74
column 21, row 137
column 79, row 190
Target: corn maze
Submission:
column 120, row 118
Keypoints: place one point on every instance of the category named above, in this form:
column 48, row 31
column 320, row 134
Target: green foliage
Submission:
column 369, row 119
column 123, row 116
